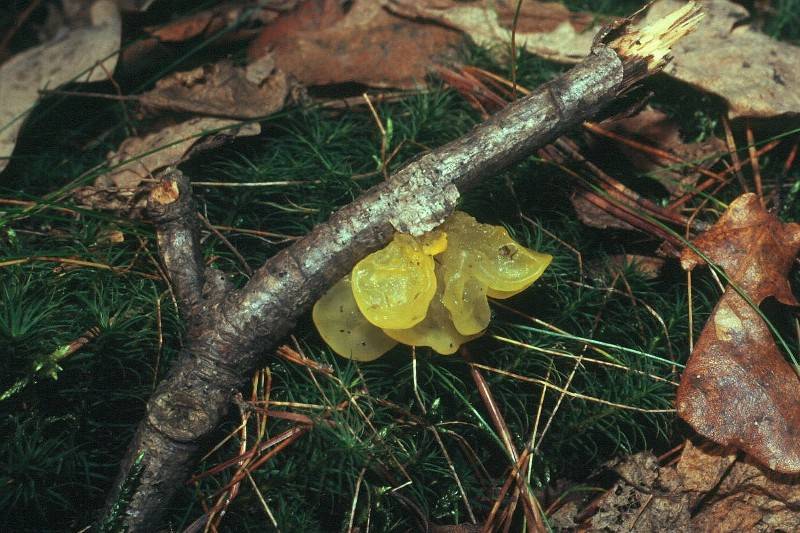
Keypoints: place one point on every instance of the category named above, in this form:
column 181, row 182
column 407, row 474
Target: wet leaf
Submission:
column 320, row 43
column 757, row 75
column 737, row 389
column 85, row 54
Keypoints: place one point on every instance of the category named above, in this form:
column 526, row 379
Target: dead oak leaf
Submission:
column 747, row 496
column 222, row 90
column 591, row 210
column 737, row 389
column 365, row 44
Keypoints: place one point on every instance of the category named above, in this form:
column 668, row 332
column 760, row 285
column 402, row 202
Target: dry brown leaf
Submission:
column 749, row 498
column 593, row 215
column 648, row 267
column 547, row 29
column 737, row 389
column 222, row 90
column 757, row 75
column 307, row 16
column 121, row 190
column 637, row 502
column 708, row 490
column 367, row 44
column 202, row 24
column 84, row 54
column 222, row 25
column 656, row 128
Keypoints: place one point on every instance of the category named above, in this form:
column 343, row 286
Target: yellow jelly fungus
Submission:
column 463, row 295
column 436, row 331
column 501, row 295
column 394, row 286
column 506, row 266
column 344, row 328
column 403, row 293
column 434, row 242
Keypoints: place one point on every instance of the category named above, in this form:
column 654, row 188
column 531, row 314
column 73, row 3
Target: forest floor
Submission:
column 574, row 381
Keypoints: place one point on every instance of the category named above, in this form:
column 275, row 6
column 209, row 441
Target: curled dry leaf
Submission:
column 737, row 389
column 637, row 502
column 222, row 90
column 220, row 25
column 547, row 29
column 708, row 490
column 140, row 157
column 589, row 208
column 320, row 43
column 656, row 128
column 84, row 54
column 648, row 267
column 757, row 75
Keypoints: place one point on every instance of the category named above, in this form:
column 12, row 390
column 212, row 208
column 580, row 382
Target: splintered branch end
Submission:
column 651, row 46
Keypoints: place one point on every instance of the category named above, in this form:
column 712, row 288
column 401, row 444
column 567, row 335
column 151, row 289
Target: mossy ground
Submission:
column 63, row 438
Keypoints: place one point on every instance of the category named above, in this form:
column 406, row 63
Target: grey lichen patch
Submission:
column 416, row 217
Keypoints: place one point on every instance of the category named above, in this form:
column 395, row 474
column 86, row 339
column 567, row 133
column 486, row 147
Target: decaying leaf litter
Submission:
column 208, row 96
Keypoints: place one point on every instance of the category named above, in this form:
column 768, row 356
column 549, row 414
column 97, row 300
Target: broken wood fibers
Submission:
column 229, row 330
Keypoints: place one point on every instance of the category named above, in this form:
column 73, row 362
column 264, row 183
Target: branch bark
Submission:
column 227, row 334
column 172, row 210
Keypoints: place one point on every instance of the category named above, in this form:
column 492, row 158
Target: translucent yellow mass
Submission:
column 344, row 328
column 436, row 331
column 506, row 266
column 394, row 286
column 463, row 295
column 430, row 290
column 434, row 242
column 483, row 260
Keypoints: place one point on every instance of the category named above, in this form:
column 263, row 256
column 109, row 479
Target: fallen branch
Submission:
column 228, row 331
